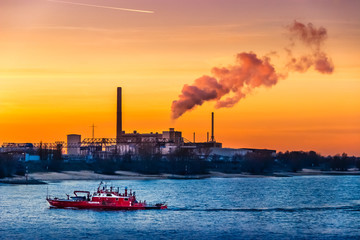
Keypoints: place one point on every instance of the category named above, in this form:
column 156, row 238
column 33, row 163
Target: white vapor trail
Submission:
column 99, row 6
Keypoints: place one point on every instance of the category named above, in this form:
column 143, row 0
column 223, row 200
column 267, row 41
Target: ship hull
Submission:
column 60, row 203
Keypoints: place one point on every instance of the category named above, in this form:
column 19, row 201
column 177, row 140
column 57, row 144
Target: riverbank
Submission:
column 21, row 180
column 42, row 177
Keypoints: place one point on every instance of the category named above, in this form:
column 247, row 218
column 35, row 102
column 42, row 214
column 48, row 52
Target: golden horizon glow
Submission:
column 60, row 65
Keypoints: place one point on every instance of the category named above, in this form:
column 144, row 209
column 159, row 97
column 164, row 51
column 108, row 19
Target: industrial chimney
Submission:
column 118, row 115
column 212, row 127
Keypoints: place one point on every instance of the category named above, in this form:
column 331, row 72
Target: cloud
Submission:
column 308, row 34
column 313, row 38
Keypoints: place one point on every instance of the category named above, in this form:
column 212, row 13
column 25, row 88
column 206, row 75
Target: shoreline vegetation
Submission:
column 182, row 164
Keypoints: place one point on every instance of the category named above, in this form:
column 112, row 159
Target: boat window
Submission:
column 109, row 194
column 117, row 199
column 126, row 199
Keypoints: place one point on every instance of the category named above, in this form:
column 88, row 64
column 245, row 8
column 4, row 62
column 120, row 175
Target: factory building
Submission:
column 134, row 142
column 156, row 142
column 163, row 143
column 173, row 136
column 122, row 137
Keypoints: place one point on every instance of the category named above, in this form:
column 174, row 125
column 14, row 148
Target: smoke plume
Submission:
column 249, row 72
column 228, row 85
column 313, row 39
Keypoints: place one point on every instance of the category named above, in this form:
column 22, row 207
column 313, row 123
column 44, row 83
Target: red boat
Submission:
column 103, row 198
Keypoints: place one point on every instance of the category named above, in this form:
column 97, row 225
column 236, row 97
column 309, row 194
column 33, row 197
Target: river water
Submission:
column 311, row 207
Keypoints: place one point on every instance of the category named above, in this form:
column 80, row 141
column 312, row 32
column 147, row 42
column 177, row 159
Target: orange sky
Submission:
column 60, row 65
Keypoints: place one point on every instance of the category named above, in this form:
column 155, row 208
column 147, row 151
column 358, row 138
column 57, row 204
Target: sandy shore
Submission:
column 90, row 175
column 126, row 175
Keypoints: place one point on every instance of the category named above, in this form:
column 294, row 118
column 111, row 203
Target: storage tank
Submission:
column 73, row 142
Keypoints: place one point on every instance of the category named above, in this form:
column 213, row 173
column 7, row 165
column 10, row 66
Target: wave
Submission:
column 285, row 209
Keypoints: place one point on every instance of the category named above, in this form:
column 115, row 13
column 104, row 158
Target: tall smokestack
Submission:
column 118, row 115
column 212, row 127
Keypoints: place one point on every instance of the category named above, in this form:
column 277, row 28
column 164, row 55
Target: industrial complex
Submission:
column 163, row 143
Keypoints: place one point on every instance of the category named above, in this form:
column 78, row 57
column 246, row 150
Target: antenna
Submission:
column 93, row 130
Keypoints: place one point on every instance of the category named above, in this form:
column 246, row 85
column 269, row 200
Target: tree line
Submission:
column 181, row 162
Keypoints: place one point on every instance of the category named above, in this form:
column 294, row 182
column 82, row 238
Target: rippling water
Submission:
column 316, row 207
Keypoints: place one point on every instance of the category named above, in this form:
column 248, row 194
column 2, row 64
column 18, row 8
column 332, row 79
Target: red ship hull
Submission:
column 103, row 198
column 63, row 203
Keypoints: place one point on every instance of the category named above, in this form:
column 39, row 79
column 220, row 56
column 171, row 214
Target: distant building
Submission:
column 173, row 136
column 17, row 148
column 162, row 143
column 73, row 144
column 168, row 148
column 31, row 158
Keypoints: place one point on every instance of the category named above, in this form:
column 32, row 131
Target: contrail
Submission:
column 99, row 6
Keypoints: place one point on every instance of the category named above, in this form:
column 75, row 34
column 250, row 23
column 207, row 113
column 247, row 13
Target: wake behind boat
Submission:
column 103, row 198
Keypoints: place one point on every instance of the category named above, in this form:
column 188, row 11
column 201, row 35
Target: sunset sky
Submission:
column 60, row 64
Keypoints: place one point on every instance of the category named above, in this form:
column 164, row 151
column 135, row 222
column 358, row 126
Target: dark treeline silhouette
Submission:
column 51, row 159
column 252, row 162
column 188, row 162
column 7, row 165
column 13, row 163
column 180, row 162
column 297, row 160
